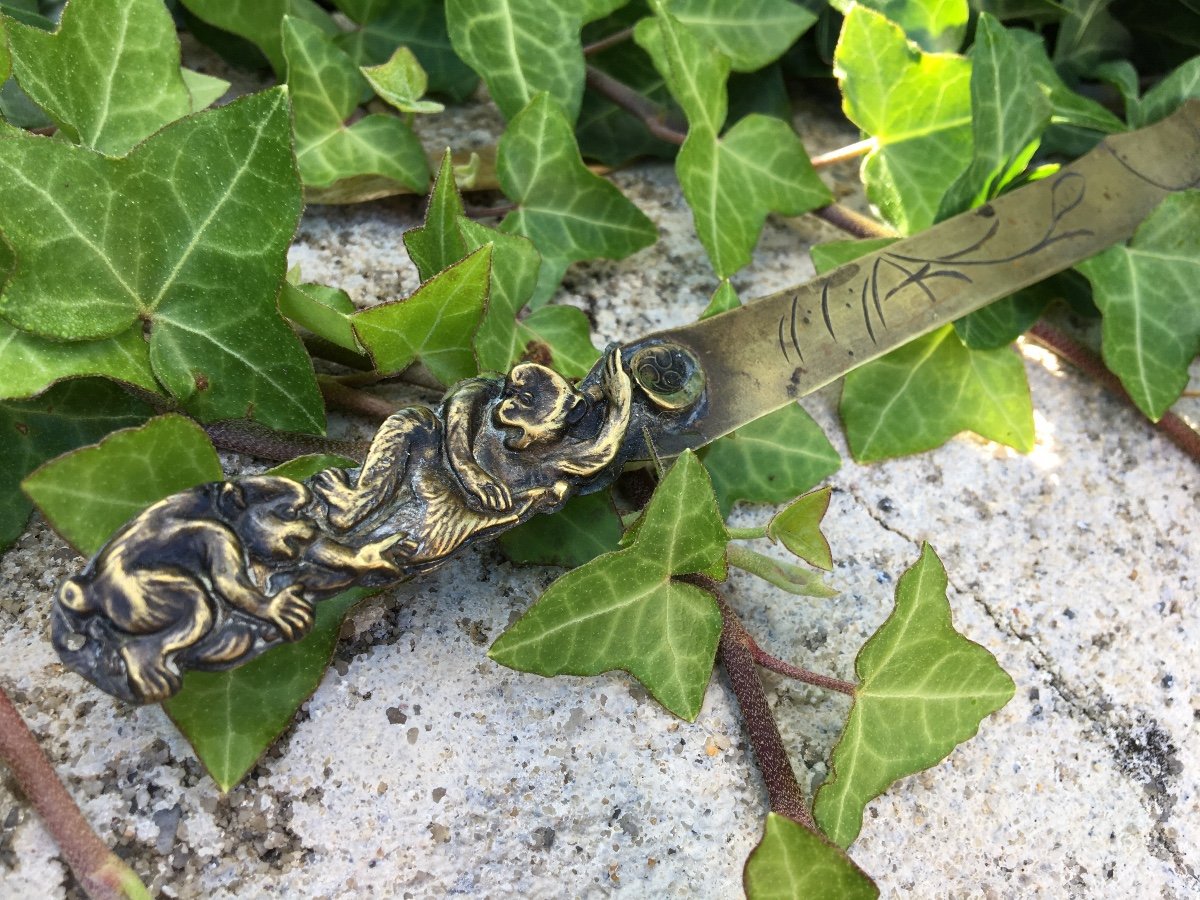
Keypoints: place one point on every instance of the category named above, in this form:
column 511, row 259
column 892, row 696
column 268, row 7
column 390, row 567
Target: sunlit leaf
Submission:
column 793, row 863
column 694, row 71
column 923, row 690
column 1168, row 95
column 583, row 529
column 724, row 298
column 402, row 82
column 771, row 460
column 191, row 257
column 921, row 395
column 829, row 256
column 89, row 494
column 204, row 90
column 916, row 105
column 1146, row 293
column 326, row 88
column 260, row 21
column 66, row 416
column 109, row 76
column 623, row 610
column 798, row 527
column 436, row 324
column 933, row 26
column 1009, row 112
column 752, row 33
column 569, row 213
column 29, row 364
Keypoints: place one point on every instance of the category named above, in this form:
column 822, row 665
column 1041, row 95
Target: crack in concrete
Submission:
column 1143, row 751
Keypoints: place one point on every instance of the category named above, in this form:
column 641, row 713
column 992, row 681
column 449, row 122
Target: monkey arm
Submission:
column 463, row 413
column 586, row 460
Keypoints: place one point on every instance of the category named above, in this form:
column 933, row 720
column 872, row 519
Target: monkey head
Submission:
column 540, row 404
column 266, row 512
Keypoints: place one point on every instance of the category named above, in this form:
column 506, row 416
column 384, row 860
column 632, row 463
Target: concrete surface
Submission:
column 420, row 768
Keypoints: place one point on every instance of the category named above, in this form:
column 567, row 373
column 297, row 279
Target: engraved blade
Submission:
column 763, row 355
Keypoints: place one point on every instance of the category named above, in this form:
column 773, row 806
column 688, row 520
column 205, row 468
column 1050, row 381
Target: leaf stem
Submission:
column 650, row 113
column 1090, row 363
column 783, row 790
column 790, row 578
column 851, row 222
column 617, row 37
column 323, row 348
column 747, row 534
column 778, row 666
column 351, row 399
column 245, row 436
column 100, row 871
column 843, row 154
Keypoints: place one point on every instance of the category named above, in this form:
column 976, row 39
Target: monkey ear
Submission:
column 576, row 410
column 231, row 497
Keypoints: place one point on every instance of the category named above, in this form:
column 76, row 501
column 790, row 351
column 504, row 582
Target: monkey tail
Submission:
column 88, row 647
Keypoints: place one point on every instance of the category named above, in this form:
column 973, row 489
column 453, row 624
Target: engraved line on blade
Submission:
column 867, row 314
column 825, row 309
column 795, row 339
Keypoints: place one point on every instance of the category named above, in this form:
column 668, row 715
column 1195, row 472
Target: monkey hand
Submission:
column 291, row 613
column 617, row 384
column 484, row 493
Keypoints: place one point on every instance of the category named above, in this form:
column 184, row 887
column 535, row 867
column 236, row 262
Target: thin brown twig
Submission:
column 1090, row 363
column 852, row 222
column 783, row 790
column 617, row 37
column 100, row 871
column 488, row 212
column 843, row 154
column 351, row 399
column 254, row 439
column 650, row 113
column 777, row 665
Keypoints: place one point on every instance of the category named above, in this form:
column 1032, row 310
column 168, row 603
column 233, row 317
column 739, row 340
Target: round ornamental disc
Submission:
column 669, row 374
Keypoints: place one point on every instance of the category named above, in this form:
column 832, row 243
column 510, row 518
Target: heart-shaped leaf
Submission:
column 402, row 82
column 934, row 27
column 29, row 364
column 923, row 690
column 798, row 527
column 261, row 21
column 792, row 862
column 752, row 33
column 583, row 529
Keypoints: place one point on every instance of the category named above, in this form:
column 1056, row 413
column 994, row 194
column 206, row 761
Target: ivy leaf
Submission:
column 436, row 324
column 1167, row 96
column 438, row 243
column 260, row 21
column 923, row 689
column 1150, row 336
column 790, row 861
column 569, row 213
column 191, row 199
column 583, row 529
column 204, row 90
column 5, row 57
column 752, row 33
column 1069, row 108
column 523, row 48
column 917, row 106
column 323, row 310
column 934, row 27
column 419, row 25
column 29, row 364
column 798, row 527
column 610, row 134
column 828, row 256
column 695, row 73
column 1087, row 35
column 1000, row 323
column 402, row 82
column 624, row 611
column 724, row 298
column 1009, row 112
column 565, row 333
column 89, row 494
column 326, row 88
column 109, row 76
column 66, row 416
column 231, row 718
column 301, row 467
column 921, row 395
column 771, row 460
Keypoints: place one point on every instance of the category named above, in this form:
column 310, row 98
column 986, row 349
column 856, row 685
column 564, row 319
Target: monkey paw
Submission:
column 149, row 677
column 290, row 613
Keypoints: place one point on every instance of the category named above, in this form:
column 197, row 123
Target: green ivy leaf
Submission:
column 260, row 22
column 323, row 310
column 436, row 324
column 695, row 73
column 29, row 364
column 752, row 33
column 204, row 90
column 827, row 257
column 231, row 718
column 191, row 199
column 934, row 27
column 302, row 467
column 1069, row 108
column 569, row 213
column 66, row 416
column 724, row 298
column 798, row 527
column 419, row 25
column 771, row 460
column 109, row 76
column 402, row 82
column 792, row 862
column 923, row 689
column 1087, row 35
column 1000, row 323
column 916, row 105
column 610, row 134
column 5, row 57
column 1151, row 333
column 622, row 610
column 89, row 494
column 921, row 395
column 1009, row 112
column 326, row 88
column 583, row 529
column 1167, row 96
column 438, row 243
column 523, row 48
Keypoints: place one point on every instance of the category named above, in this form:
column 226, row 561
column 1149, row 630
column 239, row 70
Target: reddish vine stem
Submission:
column 851, row 222
column 353, row 400
column 617, row 37
column 244, row 436
column 780, row 667
column 650, row 113
column 1090, row 363
column 100, row 871
column 843, row 154
column 783, row 790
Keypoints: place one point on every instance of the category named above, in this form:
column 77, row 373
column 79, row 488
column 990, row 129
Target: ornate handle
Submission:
column 211, row 577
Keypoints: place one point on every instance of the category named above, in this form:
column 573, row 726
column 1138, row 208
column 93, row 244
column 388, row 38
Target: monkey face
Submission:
column 268, row 515
column 539, row 403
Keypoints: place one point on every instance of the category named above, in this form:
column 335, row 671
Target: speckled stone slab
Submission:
column 420, row 768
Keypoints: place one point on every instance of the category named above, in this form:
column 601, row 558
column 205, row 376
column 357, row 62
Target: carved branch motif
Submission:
column 211, row 577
